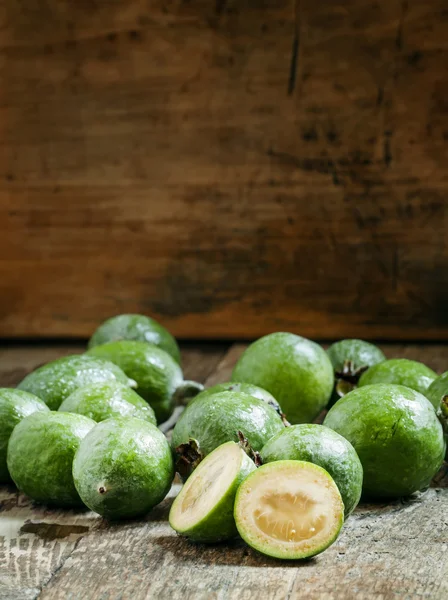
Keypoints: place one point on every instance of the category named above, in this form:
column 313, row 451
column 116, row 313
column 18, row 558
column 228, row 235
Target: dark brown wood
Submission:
column 231, row 168
column 391, row 551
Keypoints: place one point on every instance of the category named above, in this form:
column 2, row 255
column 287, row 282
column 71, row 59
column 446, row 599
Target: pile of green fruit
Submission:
column 82, row 430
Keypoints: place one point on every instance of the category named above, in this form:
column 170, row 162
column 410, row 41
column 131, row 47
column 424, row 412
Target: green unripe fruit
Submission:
column 400, row 371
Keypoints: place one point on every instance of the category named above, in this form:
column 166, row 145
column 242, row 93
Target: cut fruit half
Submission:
column 203, row 509
column 289, row 509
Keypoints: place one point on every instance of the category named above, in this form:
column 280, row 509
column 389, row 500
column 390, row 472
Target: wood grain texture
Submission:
column 231, row 168
column 395, row 551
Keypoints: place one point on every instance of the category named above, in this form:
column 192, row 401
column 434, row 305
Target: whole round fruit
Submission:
column 438, row 390
column 159, row 378
column 289, row 509
column 216, row 419
column 350, row 359
column 296, row 371
column 123, row 468
column 203, row 509
column 324, row 447
column 401, row 371
column 15, row 405
column 56, row 380
column 135, row 327
column 100, row 401
column 246, row 388
column 40, row 456
column 396, row 434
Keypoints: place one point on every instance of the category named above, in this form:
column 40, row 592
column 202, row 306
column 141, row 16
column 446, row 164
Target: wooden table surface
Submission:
column 396, row 550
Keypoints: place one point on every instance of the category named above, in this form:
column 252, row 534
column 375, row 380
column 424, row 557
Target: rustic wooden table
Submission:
column 397, row 550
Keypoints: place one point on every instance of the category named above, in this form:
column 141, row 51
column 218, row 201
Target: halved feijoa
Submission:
column 289, row 509
column 203, row 510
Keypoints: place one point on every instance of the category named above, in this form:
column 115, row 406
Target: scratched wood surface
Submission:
column 386, row 551
column 252, row 165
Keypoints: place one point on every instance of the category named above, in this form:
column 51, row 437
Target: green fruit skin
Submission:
column 219, row 524
column 324, row 447
column 246, row 388
column 216, row 419
column 359, row 352
column 253, row 543
column 400, row 371
column 296, row 371
column 40, row 456
column 135, row 327
column 157, row 374
column 131, row 459
column 100, row 401
column 437, row 390
column 56, row 380
column 15, row 405
column 396, row 434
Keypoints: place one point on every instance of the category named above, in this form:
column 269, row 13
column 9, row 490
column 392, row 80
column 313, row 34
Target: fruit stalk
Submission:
column 186, row 391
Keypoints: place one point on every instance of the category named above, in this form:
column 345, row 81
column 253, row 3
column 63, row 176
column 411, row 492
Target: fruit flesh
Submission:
column 396, row 434
column 289, row 509
column 100, row 401
column 296, row 371
column 123, row 468
column 135, row 327
column 216, row 419
column 324, row 447
column 203, row 510
column 40, row 456
column 400, row 371
column 15, row 405
column 56, row 380
column 157, row 374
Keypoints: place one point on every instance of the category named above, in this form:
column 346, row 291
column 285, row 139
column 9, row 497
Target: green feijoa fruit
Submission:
column 396, row 434
column 159, row 378
column 400, row 371
column 246, row 388
column 56, row 380
column 100, row 401
column 15, row 405
column 213, row 420
column 123, row 468
column 289, row 509
column 203, row 509
column 438, row 390
column 296, row 371
column 437, row 394
column 350, row 359
column 40, row 456
column 324, row 447
column 135, row 327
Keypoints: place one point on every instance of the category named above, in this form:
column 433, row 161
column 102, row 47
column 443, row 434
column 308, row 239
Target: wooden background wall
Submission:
column 230, row 167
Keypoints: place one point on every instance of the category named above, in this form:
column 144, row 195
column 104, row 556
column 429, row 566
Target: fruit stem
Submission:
column 443, row 413
column 186, row 391
column 189, row 456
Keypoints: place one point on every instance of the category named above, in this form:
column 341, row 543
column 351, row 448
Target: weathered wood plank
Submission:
column 231, row 168
column 388, row 551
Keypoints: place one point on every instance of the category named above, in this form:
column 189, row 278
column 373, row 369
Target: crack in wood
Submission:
column 294, row 63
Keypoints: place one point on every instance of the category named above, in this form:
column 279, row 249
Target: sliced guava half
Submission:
column 203, row 509
column 289, row 509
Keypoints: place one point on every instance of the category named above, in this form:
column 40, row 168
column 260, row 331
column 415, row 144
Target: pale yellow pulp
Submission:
column 206, row 486
column 291, row 506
